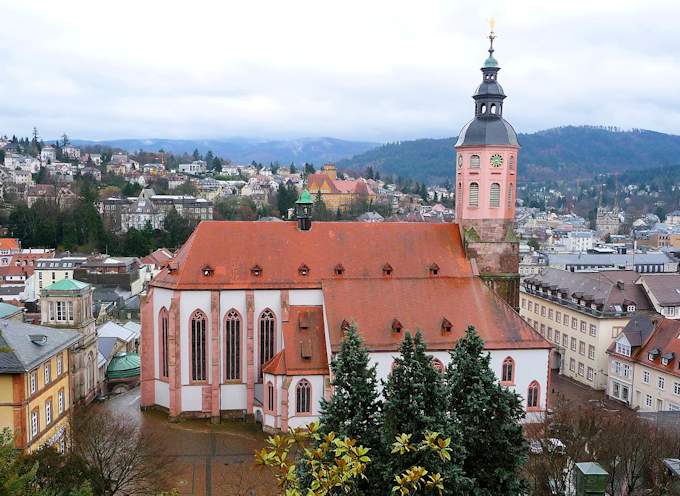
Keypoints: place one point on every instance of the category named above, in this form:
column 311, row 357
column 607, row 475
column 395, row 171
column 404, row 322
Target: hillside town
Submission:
column 485, row 319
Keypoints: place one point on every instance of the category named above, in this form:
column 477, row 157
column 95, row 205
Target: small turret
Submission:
column 303, row 211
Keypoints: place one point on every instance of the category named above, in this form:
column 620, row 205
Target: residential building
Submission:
column 102, row 270
column 338, row 194
column 673, row 218
column 581, row 313
column 8, row 247
column 644, row 367
column 38, row 192
column 194, row 168
column 51, row 270
column 594, row 262
column 48, row 154
column 579, row 241
column 67, row 304
column 71, row 152
column 663, row 291
column 35, row 384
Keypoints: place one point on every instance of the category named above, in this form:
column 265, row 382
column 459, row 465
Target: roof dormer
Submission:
column 447, row 326
column 256, row 270
column 303, row 270
column 434, row 269
column 396, row 326
column 387, row 270
column 207, row 270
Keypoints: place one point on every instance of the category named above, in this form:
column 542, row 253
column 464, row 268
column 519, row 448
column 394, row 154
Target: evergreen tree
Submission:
column 488, row 417
column 415, row 402
column 354, row 410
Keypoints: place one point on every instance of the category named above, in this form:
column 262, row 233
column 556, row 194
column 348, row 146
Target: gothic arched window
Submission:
column 267, row 336
column 508, row 372
column 232, row 346
column 534, row 396
column 164, row 330
column 495, row 195
column 199, row 346
column 303, row 397
column 473, row 195
column 270, row 396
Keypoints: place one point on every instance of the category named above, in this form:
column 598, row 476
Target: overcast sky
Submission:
column 368, row 69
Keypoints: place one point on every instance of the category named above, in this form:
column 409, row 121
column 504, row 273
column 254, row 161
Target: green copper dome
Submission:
column 305, row 197
column 490, row 62
column 123, row 366
column 67, row 285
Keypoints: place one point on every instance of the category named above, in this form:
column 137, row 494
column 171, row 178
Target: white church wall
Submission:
column 305, row 297
column 233, row 397
column 192, row 398
column 189, row 302
column 295, row 420
column 162, row 393
column 161, row 298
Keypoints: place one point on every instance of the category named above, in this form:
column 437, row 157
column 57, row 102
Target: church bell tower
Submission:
column 486, row 180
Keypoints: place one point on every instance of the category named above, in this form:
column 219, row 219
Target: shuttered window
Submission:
column 473, row 195
column 510, row 196
column 495, row 195
column 475, row 161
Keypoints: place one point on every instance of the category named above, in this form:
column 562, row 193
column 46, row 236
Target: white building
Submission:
column 196, row 167
column 579, row 241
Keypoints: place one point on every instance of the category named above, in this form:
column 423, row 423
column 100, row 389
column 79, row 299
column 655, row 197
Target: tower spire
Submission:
column 492, row 35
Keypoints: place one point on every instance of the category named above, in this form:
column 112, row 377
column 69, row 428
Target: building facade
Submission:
column 581, row 314
column 643, row 364
column 486, row 181
column 67, row 304
column 52, row 270
column 35, row 389
column 338, row 194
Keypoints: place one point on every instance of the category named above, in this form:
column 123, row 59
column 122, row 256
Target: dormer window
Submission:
column 667, row 358
column 396, row 326
column 622, row 349
column 434, row 269
column 256, row 270
column 303, row 321
column 303, row 270
column 344, row 326
column 653, row 354
column 207, row 270
column 387, row 270
column 447, row 327
column 339, row 270
column 172, row 267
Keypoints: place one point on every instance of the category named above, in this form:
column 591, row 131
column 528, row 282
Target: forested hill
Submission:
column 564, row 152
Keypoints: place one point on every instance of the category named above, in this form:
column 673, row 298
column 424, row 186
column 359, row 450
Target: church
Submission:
column 244, row 320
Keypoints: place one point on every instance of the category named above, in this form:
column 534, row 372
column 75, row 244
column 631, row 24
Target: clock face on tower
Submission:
column 496, row 160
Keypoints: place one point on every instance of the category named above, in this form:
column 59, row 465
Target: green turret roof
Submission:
column 490, row 62
column 67, row 285
column 123, row 366
column 305, row 197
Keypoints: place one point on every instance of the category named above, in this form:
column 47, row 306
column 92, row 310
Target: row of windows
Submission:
column 35, row 414
column 232, row 343
column 660, row 382
column 494, row 194
column 589, row 372
column 559, row 317
column 47, row 374
column 563, row 338
column 303, row 397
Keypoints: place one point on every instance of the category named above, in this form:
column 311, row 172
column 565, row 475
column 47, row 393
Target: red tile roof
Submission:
column 358, row 187
column 9, row 244
column 304, row 344
column 423, row 304
column 665, row 337
column 159, row 257
column 232, row 249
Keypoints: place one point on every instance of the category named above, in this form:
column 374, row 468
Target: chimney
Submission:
column 331, row 171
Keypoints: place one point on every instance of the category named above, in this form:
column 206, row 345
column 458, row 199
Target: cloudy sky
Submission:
column 374, row 70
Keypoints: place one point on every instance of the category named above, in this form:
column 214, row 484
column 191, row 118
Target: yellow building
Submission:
column 35, row 395
column 338, row 194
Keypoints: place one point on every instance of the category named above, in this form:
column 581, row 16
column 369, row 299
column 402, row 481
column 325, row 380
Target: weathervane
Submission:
column 492, row 35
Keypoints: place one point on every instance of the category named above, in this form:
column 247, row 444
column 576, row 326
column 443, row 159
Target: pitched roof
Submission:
column 359, row 187
column 665, row 337
column 158, row 257
column 21, row 348
column 279, row 249
column 304, row 344
column 610, row 288
column 665, row 288
column 67, row 285
column 7, row 310
column 9, row 244
column 113, row 330
column 423, row 304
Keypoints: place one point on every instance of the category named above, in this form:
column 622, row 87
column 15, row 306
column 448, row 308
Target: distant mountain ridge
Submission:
column 244, row 150
column 558, row 153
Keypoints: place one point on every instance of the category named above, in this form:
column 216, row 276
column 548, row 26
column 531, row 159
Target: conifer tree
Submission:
column 488, row 417
column 354, row 410
column 415, row 403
